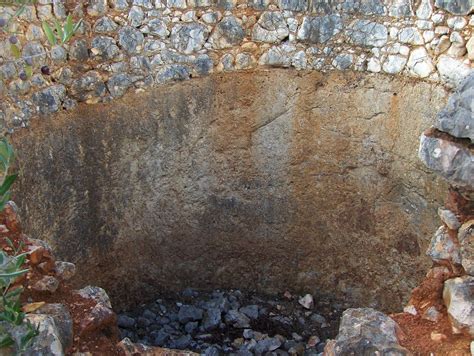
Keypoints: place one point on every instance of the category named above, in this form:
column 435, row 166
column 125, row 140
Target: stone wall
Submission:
column 266, row 180
column 133, row 45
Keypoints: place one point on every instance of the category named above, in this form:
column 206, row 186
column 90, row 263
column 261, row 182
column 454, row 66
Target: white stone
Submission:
column 437, row 18
column 442, row 45
column 373, row 65
column 452, row 70
column 457, row 22
column 441, row 30
column 456, row 51
column 470, row 48
column 394, row 64
column 306, row 301
column 425, row 10
column 410, row 35
column 457, row 296
column 456, row 37
column 428, row 36
column 404, row 51
column 424, row 25
column 419, row 63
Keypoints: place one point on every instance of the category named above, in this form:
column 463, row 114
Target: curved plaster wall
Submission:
column 268, row 180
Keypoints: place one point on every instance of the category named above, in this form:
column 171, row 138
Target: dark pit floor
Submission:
column 233, row 322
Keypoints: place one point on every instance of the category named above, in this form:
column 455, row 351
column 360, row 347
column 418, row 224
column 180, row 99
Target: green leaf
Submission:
column 7, row 183
column 59, row 30
column 49, row 33
column 15, row 51
column 69, row 25
column 13, row 274
column 28, row 71
column 6, row 341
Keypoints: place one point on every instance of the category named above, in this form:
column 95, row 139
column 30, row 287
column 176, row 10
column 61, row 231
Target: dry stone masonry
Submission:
column 135, row 44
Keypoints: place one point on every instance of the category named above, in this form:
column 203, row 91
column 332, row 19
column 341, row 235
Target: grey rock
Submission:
column 425, row 10
column 343, row 61
column 276, row 56
column 182, row 342
column 457, row 118
column 48, row 342
column 442, row 247
column 227, row 33
column 58, row 54
column 459, row 7
column 147, row 313
column 237, row 319
column 366, row 331
column 452, row 161
column 105, row 25
column 160, row 338
column 46, row 284
column 271, row 28
column 410, row 35
column 189, row 38
column 124, row 321
column 64, row 270
column 78, row 50
column 419, row 63
column 119, row 5
column 95, row 293
column 431, row 314
column 259, row 4
column 191, row 327
column 458, row 294
column 293, row 5
column 136, row 16
column 250, row 310
column 36, row 51
column 203, row 64
column 394, row 64
column 49, row 100
column 118, row 84
column 372, row 7
column 453, row 70
column 466, row 240
column 173, row 72
column 367, row 33
column 97, row 7
column 63, row 321
column 104, row 47
column 212, row 351
column 130, row 39
column 319, row 29
column 157, row 27
column 8, row 71
column 267, row 345
column 212, row 319
column 147, row 4
column 449, row 218
column 400, row 8
column 189, row 313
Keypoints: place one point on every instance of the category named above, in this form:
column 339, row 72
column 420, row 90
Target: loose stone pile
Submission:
column 448, row 150
column 136, row 44
column 230, row 322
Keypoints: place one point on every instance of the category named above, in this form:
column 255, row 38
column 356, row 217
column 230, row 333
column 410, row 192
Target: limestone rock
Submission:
column 277, row 56
column 105, row 25
column 457, row 118
column 425, row 10
column 400, row 8
column 459, row 7
column 394, row 64
column 237, row 319
column 367, row 33
column 410, row 35
column 98, row 318
column 419, row 63
column 466, row 240
column 365, row 331
column 65, row 270
column 227, row 33
column 306, row 301
column 293, row 5
column 319, row 29
column 89, row 86
column 189, row 313
column 130, row 39
column 173, row 72
column 48, row 342
column 104, row 47
column 458, row 294
column 49, row 100
column 452, row 70
column 46, row 284
column 450, row 160
column 449, row 218
column 271, row 28
column 188, row 38
column 96, row 293
column 443, row 247
column 118, row 84
column 63, row 321
column 470, row 48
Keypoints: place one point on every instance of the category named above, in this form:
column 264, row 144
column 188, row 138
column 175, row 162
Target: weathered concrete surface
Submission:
column 260, row 180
